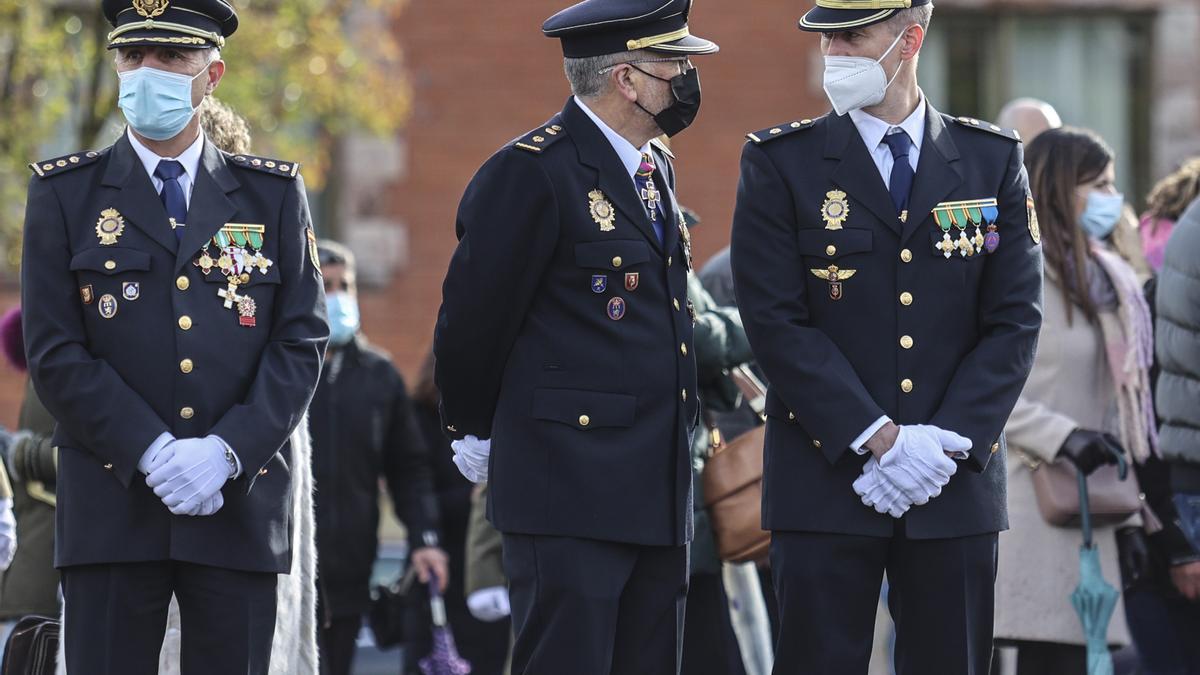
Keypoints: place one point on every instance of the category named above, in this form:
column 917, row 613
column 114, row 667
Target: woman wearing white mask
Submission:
column 1086, row 402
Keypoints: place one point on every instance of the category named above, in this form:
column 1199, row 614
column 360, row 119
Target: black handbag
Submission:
column 389, row 611
column 32, row 647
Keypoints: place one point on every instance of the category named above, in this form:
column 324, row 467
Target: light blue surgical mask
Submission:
column 343, row 317
column 157, row 104
column 1101, row 213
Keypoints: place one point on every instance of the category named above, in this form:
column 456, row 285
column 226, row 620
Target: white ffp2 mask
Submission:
column 854, row 82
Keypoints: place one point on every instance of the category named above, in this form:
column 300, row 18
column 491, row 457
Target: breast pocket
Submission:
column 109, row 262
column 611, row 255
column 833, row 245
column 584, row 410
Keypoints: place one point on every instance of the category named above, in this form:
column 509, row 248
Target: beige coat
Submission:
column 1070, row 387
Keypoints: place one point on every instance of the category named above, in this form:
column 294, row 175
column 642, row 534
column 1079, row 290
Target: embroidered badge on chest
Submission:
column 110, row 226
column 835, row 210
column 602, row 211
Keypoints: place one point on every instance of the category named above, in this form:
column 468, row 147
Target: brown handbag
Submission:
column 733, row 483
column 1056, row 486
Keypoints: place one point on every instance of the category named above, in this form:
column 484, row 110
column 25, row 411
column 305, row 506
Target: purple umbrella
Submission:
column 444, row 659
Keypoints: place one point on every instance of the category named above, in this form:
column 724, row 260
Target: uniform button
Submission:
column 831, row 250
column 684, row 395
column 791, row 416
column 816, row 444
column 669, row 260
column 262, row 472
column 185, row 322
column 182, row 283
column 617, row 262
column 675, row 302
column 995, row 448
column 683, row 349
column 906, row 341
column 186, row 366
column 906, row 255
column 110, row 265
column 187, row 413
column 906, row 385
column 584, row 420
column 108, row 467
column 906, row 298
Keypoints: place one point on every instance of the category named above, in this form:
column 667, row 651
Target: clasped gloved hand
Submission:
column 189, row 481
column 917, row 463
column 471, row 457
column 1089, row 450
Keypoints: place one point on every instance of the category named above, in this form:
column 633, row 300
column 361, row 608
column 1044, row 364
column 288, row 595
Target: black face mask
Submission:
column 679, row 115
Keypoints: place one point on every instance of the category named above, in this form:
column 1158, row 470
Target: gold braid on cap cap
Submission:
column 150, row 24
column 864, row 4
column 643, row 43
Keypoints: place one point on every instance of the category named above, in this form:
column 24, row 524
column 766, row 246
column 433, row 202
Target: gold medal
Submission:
column 835, row 210
column 602, row 211
column 110, row 226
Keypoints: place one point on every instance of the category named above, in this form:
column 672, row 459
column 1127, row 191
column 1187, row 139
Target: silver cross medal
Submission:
column 650, row 195
column 230, row 295
column 245, row 304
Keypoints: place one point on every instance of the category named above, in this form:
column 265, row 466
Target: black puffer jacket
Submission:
column 363, row 429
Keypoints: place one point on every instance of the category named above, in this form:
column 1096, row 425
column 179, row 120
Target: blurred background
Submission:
column 392, row 106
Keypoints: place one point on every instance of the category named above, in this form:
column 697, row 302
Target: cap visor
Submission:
column 687, row 45
column 159, row 38
column 824, row 20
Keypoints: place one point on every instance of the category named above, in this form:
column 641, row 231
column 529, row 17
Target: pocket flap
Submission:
column 584, row 409
column 611, row 255
column 776, row 408
column 833, row 244
column 111, row 260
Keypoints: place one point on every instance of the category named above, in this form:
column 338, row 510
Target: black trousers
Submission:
column 940, row 593
column 585, row 607
column 116, row 615
column 709, row 644
column 337, row 642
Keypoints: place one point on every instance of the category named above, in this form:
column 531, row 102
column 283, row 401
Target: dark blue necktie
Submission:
column 644, row 180
column 169, row 171
column 902, row 173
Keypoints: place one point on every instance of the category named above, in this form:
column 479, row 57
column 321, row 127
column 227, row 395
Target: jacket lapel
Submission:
column 136, row 199
column 670, row 208
column 856, row 173
column 210, row 207
column 937, row 173
column 612, row 178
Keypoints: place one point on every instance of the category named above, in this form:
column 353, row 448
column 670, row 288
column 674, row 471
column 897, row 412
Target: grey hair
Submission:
column 589, row 76
column 920, row 16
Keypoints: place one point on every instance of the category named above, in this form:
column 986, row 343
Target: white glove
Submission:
column 194, row 474
column 471, row 457
column 489, row 604
column 8, row 534
column 880, row 493
column 157, row 454
column 917, row 463
column 208, row 506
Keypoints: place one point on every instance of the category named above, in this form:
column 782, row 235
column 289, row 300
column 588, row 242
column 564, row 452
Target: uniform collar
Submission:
column 872, row 129
column 630, row 156
column 189, row 158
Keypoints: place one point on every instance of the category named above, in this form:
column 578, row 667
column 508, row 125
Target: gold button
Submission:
column 995, row 448
column 670, row 259
column 816, row 444
column 182, row 283
column 584, row 420
column 906, row 298
column 617, row 262
column 187, row 413
column 906, row 385
column 110, row 265
column 906, row 255
column 906, row 341
column 791, row 416
column 186, row 366
column 108, row 467
column 185, row 322
column 675, row 302
column 262, row 472
column 684, row 395
column 683, row 349
column 831, row 250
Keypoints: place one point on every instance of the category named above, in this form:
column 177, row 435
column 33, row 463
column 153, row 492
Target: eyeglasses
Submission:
column 685, row 64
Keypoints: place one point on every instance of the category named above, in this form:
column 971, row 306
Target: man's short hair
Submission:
column 585, row 76
column 330, row 252
column 919, row 15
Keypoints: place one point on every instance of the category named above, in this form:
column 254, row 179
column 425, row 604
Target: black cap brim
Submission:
column 825, row 20
column 690, row 44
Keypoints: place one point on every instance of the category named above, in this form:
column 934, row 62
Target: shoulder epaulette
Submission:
column 53, row 167
column 972, row 123
column 277, row 167
column 771, row 133
column 541, row 138
column 658, row 143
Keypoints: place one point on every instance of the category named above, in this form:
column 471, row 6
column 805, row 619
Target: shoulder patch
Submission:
column 771, row 133
column 541, row 138
column 53, row 167
column 658, row 143
column 972, row 123
column 277, row 167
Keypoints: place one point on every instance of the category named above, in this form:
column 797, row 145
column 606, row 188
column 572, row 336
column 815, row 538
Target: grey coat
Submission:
column 1177, row 341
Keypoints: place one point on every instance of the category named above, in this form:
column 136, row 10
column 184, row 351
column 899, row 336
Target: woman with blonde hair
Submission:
column 1165, row 204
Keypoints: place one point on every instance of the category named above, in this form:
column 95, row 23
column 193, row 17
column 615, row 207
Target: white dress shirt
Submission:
column 630, row 156
column 189, row 159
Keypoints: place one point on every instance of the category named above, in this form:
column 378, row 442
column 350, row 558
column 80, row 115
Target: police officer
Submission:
column 175, row 330
column 564, row 349
column 888, row 270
